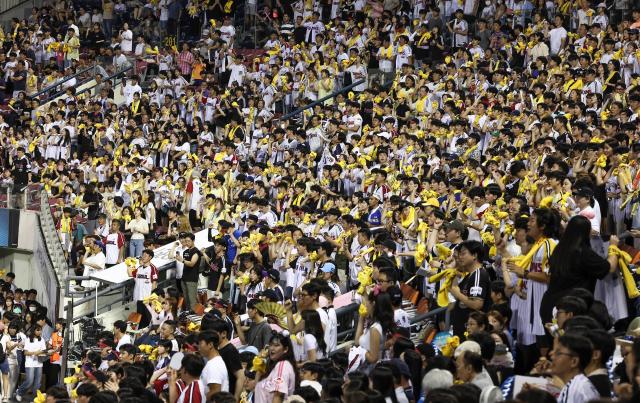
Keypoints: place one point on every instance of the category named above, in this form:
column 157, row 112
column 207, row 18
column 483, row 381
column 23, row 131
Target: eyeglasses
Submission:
column 562, row 353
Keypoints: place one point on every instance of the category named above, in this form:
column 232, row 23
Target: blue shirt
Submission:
column 232, row 249
column 375, row 217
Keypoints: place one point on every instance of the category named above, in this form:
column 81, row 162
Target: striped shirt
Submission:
column 578, row 390
column 185, row 61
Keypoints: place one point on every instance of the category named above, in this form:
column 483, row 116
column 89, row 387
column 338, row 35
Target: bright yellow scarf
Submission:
column 389, row 52
column 467, row 153
column 421, row 103
column 525, row 261
column 406, row 222
column 443, row 294
column 624, row 259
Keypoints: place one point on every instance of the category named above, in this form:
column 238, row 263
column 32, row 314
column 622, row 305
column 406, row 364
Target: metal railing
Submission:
column 52, row 240
column 113, row 77
column 351, row 311
column 52, row 87
column 21, row 198
column 6, row 5
column 322, row 100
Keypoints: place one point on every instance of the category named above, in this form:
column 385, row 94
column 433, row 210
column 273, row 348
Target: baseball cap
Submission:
column 467, row 346
column 274, row 275
column 328, row 267
column 312, row 367
column 269, row 295
column 389, row 244
column 402, row 366
column 584, row 192
column 433, row 202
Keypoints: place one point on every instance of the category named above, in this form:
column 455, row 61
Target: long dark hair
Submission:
column 313, row 326
column 575, row 239
column 285, row 341
column 414, row 362
column 382, row 312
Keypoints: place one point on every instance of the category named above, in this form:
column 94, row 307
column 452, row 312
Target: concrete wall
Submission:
column 19, row 12
column 31, row 263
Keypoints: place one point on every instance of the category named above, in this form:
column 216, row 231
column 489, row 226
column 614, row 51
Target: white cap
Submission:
column 467, row 346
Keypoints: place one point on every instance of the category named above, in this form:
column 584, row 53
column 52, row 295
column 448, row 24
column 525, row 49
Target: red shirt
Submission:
column 185, row 60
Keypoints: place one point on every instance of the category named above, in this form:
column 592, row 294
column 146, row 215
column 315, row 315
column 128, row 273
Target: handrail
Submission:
column 7, row 5
column 111, row 77
column 321, row 100
column 52, row 240
column 58, row 83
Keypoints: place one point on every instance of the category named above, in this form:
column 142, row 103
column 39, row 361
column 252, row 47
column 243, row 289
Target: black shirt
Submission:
column 19, row 80
column 21, row 171
column 231, row 358
column 299, row 34
column 587, row 268
column 191, row 273
column 602, row 383
column 475, row 285
column 217, row 268
column 93, row 197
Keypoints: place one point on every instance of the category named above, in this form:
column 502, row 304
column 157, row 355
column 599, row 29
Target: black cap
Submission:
column 584, row 192
column 389, row 244
column 274, row 275
column 269, row 295
column 312, row 367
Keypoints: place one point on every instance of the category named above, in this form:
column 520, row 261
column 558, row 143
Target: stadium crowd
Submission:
column 484, row 159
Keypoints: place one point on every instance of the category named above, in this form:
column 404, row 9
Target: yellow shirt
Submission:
column 73, row 49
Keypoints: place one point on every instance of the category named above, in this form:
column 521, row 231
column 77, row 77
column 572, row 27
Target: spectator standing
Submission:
column 185, row 62
column 214, row 375
column 191, row 260
column 34, row 347
column 145, row 279
column 107, row 17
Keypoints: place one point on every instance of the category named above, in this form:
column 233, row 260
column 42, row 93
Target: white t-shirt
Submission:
column 113, row 243
column 215, row 371
column 556, row 36
column 332, row 331
column 593, row 216
column 324, row 319
column 401, row 318
column 143, row 278
column 125, row 339
column 227, row 32
column 310, row 343
column 31, row 361
column 365, row 339
column 126, row 43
